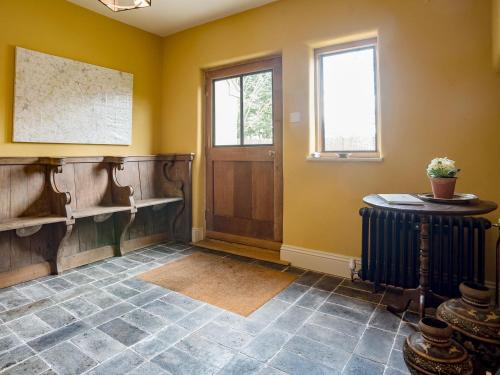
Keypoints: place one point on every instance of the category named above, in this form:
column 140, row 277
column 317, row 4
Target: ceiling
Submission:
column 166, row 17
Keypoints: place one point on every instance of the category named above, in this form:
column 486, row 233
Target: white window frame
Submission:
column 320, row 152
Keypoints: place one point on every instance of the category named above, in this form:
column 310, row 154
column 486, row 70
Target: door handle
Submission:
column 272, row 153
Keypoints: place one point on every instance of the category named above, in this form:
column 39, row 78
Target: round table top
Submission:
column 476, row 207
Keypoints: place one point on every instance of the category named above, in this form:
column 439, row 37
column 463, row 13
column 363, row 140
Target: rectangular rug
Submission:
column 224, row 282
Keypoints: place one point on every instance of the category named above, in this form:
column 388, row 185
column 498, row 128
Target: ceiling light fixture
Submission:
column 121, row 5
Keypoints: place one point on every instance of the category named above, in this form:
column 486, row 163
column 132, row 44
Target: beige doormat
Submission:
column 224, row 282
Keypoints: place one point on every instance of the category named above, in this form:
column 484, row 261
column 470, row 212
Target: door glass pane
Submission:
column 258, row 109
column 349, row 101
column 227, row 106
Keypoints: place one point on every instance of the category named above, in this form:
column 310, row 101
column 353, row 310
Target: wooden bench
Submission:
column 60, row 213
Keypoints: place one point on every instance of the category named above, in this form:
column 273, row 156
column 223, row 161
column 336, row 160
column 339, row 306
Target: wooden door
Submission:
column 244, row 170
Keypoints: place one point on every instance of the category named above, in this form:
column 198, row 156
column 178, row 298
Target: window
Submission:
column 347, row 102
column 243, row 110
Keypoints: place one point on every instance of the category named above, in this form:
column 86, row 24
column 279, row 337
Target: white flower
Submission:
column 442, row 168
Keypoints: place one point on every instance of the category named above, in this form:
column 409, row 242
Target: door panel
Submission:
column 244, row 151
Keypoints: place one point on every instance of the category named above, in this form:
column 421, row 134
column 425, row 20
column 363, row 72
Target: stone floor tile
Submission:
column 66, row 358
column 29, row 327
column 335, row 323
column 270, row 371
column 75, row 292
column 56, row 317
column 58, row 284
column 328, row 337
column 292, row 319
column 165, row 310
column 399, row 342
column 393, row 371
column 120, row 364
column 360, row 284
column 108, row 314
column 396, row 361
column 376, row 345
column 11, row 299
column 37, row 292
column 294, row 364
column 352, row 303
column 148, row 368
column 212, row 354
column 31, row 366
column 96, row 273
column 270, row 311
column 112, row 268
column 241, row 364
column 15, row 356
column 141, row 258
column 178, row 362
column 313, row 298
column 333, row 357
column 123, row 332
column 265, row 345
column 80, row 307
column 182, row 301
column 328, row 283
column 24, row 310
column 145, row 320
column 345, row 312
column 125, row 262
column 78, row 278
column 138, row 284
column 361, row 366
column 9, row 342
column 172, row 334
column 110, row 280
column 148, row 296
column 55, row 337
column 102, row 299
column 384, row 319
column 292, row 293
column 359, row 294
column 98, row 345
column 153, row 254
column 4, row 331
column 150, row 347
column 121, row 291
column 407, row 329
column 224, row 335
column 240, row 323
column 309, row 278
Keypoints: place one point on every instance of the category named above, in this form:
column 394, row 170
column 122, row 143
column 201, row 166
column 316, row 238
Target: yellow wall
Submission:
column 439, row 97
column 496, row 34
column 60, row 28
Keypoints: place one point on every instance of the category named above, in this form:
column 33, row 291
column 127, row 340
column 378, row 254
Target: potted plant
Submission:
column 443, row 175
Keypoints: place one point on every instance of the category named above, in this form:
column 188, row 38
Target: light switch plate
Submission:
column 295, row 117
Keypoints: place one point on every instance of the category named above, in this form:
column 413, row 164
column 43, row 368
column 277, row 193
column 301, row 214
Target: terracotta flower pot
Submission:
column 433, row 351
column 443, row 187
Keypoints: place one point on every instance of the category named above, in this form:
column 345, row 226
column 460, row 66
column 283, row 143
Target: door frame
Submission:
column 269, row 63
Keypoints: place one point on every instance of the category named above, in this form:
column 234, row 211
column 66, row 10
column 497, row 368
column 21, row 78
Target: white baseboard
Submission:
column 197, row 234
column 331, row 263
column 316, row 260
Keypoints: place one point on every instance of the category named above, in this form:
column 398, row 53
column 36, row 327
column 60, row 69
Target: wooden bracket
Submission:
column 176, row 191
column 28, row 231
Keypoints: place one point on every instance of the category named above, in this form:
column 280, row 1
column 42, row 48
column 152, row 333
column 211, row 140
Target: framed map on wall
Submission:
column 58, row 100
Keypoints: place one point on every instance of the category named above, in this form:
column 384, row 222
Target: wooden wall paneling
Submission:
column 5, row 188
column 147, row 177
column 224, row 188
column 5, row 253
column 92, row 184
column 262, row 191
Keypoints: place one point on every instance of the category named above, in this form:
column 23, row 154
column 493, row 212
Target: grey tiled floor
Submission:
column 100, row 319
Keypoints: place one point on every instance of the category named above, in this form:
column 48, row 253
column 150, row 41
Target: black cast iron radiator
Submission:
column 390, row 250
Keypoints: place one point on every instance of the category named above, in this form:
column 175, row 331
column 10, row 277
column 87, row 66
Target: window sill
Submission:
column 336, row 159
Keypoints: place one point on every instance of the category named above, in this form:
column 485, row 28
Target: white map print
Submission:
column 58, row 100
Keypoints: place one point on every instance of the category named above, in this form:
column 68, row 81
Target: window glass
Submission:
column 227, row 112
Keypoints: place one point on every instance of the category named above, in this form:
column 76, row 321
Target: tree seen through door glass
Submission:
column 244, row 105
column 258, row 109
